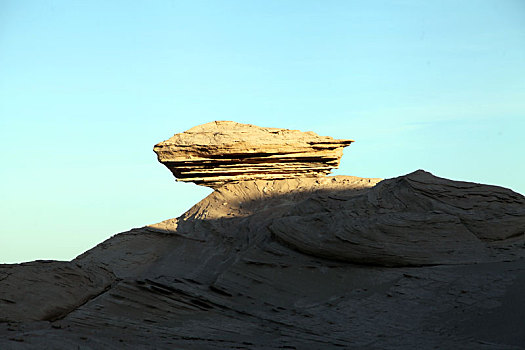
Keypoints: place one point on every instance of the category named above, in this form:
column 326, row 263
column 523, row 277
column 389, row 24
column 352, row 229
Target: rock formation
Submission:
column 411, row 262
column 219, row 152
column 416, row 219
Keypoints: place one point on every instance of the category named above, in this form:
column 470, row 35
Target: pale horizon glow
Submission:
column 87, row 89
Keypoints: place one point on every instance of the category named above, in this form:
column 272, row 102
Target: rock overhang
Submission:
column 221, row 152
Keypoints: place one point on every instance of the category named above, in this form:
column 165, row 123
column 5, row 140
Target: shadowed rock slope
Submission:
column 307, row 263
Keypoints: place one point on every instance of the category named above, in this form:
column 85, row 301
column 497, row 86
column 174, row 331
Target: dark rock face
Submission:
column 333, row 262
column 48, row 290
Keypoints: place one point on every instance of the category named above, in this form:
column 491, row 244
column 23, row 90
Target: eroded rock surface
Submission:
column 48, row 290
column 288, row 264
column 219, row 152
column 306, row 262
column 417, row 219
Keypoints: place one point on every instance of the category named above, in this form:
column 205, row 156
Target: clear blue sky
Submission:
column 88, row 87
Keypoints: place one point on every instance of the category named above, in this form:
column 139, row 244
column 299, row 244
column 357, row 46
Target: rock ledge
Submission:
column 220, row 152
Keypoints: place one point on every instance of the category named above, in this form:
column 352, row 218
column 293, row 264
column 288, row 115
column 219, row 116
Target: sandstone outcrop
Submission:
column 299, row 263
column 48, row 290
column 416, row 219
column 219, row 152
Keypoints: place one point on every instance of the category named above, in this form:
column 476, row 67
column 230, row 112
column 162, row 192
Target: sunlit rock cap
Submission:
column 220, row 152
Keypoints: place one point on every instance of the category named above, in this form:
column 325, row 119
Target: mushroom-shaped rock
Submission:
column 220, row 152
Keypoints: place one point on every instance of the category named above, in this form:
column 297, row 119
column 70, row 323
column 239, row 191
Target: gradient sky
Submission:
column 88, row 87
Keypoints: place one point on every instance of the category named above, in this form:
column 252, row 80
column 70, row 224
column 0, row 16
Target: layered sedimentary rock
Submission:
column 48, row 290
column 299, row 263
column 305, row 263
column 416, row 219
column 219, row 152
